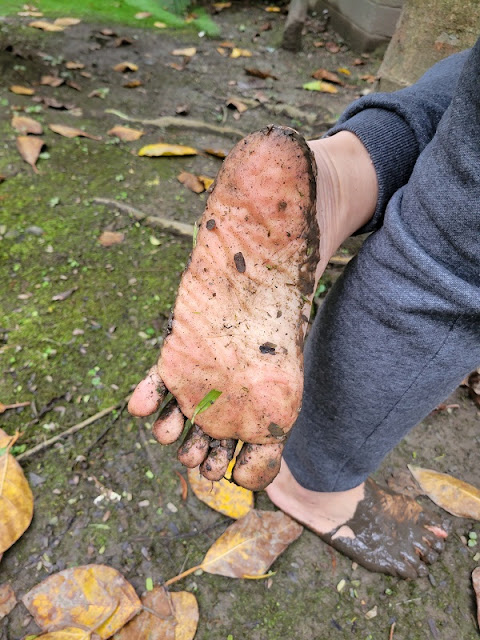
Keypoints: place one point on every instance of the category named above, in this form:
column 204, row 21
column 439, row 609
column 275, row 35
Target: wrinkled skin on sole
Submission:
column 239, row 319
column 392, row 534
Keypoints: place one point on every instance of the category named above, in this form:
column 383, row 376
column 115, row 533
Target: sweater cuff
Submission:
column 393, row 149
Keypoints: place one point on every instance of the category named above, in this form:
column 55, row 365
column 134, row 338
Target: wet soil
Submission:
column 83, row 351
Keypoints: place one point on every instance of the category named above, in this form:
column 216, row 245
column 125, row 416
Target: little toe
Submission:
column 148, row 395
column 169, row 426
column 194, row 449
column 216, row 463
column 257, row 465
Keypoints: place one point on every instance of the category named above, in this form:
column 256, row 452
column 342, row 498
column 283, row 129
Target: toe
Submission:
column 148, row 395
column 169, row 426
column 215, row 465
column 410, row 566
column 257, row 465
column 194, row 449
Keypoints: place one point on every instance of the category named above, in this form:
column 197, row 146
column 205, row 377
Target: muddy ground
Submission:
column 76, row 355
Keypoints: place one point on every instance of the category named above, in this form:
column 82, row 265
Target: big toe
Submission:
column 257, row 465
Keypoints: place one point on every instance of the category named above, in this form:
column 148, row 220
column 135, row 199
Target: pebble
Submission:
column 34, row 230
column 35, row 480
column 171, row 507
column 144, row 503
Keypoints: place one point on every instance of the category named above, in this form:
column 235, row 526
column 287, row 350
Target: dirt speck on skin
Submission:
column 85, row 353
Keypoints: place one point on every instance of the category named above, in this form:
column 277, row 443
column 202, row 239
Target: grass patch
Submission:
column 122, row 11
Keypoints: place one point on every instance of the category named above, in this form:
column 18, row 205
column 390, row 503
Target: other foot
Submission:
column 383, row 531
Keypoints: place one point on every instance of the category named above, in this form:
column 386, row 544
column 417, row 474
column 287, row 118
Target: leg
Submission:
column 397, row 334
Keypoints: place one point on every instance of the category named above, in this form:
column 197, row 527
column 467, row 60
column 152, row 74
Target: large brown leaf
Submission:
column 125, row 134
column 250, row 545
column 223, row 496
column 455, row 496
column 24, row 125
column 29, row 148
column 93, row 597
column 175, row 617
column 16, row 499
column 8, row 599
column 71, row 132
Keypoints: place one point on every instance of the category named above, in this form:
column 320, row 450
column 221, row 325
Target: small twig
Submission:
column 68, row 432
column 153, row 221
column 16, row 405
column 392, row 629
column 336, row 259
column 182, row 123
column 107, row 429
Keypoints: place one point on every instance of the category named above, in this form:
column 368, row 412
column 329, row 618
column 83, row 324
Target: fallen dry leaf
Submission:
column 223, row 496
column 53, row 103
column 368, row 78
column 125, row 133
column 21, row 91
column 235, row 103
column 220, row 6
column 29, row 148
column 358, row 62
column 122, row 67
column 122, row 41
column 67, row 22
column 160, row 25
column 319, row 85
column 476, row 587
column 51, row 81
column 132, row 84
column 16, row 499
column 176, row 66
column 218, row 153
column 332, row 47
column 8, row 599
column 240, row 53
column 30, row 14
column 60, row 297
column 71, row 132
column 188, row 52
column 258, row 73
column 91, row 596
column 73, row 85
column 183, row 484
column 45, row 26
column 455, row 496
column 141, row 15
column 176, row 617
column 23, row 124
column 182, row 109
column 323, row 74
column 273, row 9
column 165, row 149
column 109, row 238
column 67, row 633
column 207, row 181
column 74, row 65
column 250, row 545
column 191, row 181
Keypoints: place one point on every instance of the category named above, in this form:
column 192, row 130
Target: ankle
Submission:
column 347, row 189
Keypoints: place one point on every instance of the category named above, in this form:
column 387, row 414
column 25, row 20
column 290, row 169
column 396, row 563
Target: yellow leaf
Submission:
column 240, row 53
column 71, row 132
column 250, row 545
column 125, row 133
column 67, row 22
column 165, row 149
column 176, row 617
column 223, row 496
column 207, row 181
column 318, row 85
column 93, row 597
column 45, row 26
column 125, row 66
column 273, row 9
column 16, row 499
column 69, row 633
column 345, row 71
column 160, row 25
column 21, row 91
column 29, row 148
column 455, row 496
column 189, row 52
column 26, row 125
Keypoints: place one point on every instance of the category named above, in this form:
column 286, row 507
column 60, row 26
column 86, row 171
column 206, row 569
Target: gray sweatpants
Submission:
column 401, row 328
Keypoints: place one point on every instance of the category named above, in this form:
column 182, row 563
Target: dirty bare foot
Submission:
column 379, row 529
column 244, row 300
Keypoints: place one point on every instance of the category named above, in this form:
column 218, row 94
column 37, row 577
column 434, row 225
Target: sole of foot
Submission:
column 239, row 319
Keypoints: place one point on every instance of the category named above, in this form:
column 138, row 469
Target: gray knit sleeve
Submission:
column 396, row 127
